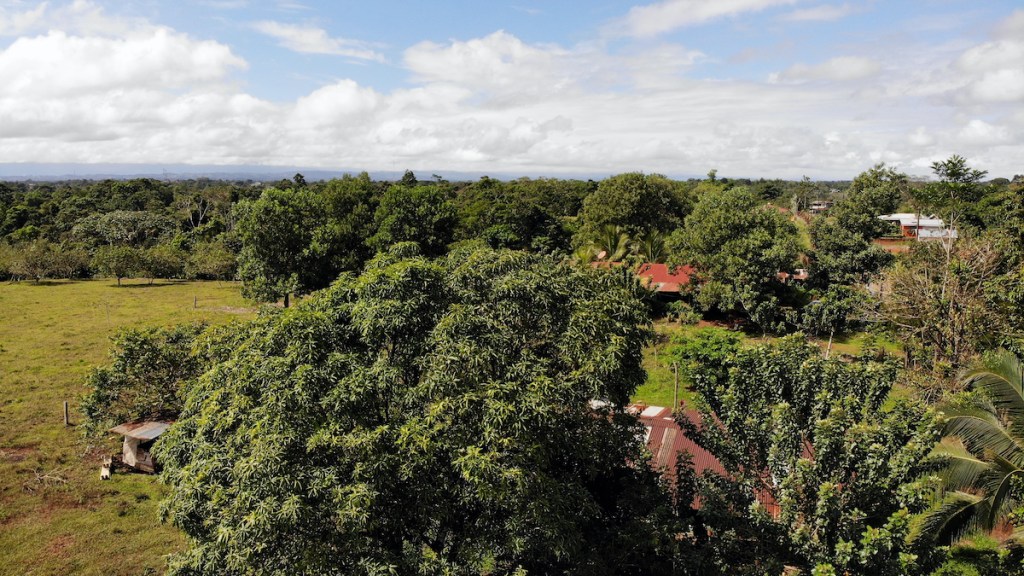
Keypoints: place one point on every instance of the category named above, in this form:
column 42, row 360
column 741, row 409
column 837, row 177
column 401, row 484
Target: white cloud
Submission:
column 841, row 68
column 499, row 104
column 821, row 13
column 67, row 66
column 313, row 40
column 498, row 63
column 1012, row 26
column 668, row 15
column 979, row 132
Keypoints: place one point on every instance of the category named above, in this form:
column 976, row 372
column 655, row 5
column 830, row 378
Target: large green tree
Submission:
column 427, row 417
column 739, row 246
column 843, row 248
column 819, row 469
column 635, row 202
column 278, row 256
column 421, row 214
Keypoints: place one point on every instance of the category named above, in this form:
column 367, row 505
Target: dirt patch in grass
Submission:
column 60, row 546
column 13, row 455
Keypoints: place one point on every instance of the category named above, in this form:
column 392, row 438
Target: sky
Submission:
column 751, row 88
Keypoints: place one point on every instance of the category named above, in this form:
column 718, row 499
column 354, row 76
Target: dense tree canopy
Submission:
column 739, row 246
column 635, row 202
column 278, row 257
column 426, row 417
column 819, row 472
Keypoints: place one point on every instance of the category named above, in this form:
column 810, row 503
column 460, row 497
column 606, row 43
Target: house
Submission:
column 138, row 441
column 665, row 441
column 819, row 206
column 799, row 276
column 659, row 278
column 920, row 227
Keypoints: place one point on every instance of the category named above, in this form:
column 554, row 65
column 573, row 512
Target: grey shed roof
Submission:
column 141, row 430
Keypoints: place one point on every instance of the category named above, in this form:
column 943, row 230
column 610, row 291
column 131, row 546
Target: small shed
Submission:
column 138, row 440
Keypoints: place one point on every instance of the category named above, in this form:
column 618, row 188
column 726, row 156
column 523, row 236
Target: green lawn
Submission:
column 56, row 515
column 658, row 390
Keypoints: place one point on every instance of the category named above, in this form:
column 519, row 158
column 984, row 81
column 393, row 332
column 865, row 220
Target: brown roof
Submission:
column 665, row 440
column 141, row 430
column 658, row 277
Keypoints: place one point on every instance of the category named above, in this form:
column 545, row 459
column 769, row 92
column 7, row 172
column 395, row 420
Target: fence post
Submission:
column 67, row 422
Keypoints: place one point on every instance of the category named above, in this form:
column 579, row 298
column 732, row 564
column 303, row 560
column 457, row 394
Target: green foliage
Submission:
column 946, row 302
column 959, row 187
column 834, row 312
column 145, row 379
column 117, row 261
column 843, row 249
column 682, row 312
column 121, row 227
column 819, row 474
column 421, row 214
column 981, row 452
column 164, row 261
column 428, row 417
column 635, row 202
column 211, row 261
column 278, row 255
column 35, row 260
column 739, row 246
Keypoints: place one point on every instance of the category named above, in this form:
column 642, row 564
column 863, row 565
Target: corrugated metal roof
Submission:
column 658, row 276
column 666, row 440
column 141, row 430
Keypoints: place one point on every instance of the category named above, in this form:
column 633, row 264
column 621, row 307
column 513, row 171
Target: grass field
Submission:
column 56, row 515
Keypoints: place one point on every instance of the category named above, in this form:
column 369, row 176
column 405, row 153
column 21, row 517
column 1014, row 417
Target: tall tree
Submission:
column 277, row 230
column 819, row 472
column 421, row 214
column 636, row 202
column 946, row 303
column 428, row 417
column 843, row 248
column 740, row 246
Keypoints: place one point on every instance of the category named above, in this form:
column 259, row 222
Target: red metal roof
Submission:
column 665, row 440
column 658, row 277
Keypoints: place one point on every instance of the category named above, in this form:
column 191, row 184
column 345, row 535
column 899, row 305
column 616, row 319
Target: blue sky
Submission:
column 779, row 88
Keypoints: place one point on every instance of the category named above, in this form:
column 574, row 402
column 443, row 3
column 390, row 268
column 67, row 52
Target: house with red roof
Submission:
column 659, row 278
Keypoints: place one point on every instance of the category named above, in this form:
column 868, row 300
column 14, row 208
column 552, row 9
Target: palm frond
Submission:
column 980, row 433
column 956, row 515
column 1002, row 381
column 962, row 470
column 1000, row 504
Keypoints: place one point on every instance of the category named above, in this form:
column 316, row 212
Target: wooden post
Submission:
column 195, row 302
column 67, row 422
column 675, row 393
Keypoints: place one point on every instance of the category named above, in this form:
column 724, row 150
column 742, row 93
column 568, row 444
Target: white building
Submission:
column 920, row 227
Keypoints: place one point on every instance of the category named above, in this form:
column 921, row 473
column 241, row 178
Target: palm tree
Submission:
column 651, row 246
column 982, row 451
column 613, row 242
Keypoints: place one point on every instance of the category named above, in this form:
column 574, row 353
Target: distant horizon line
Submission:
column 58, row 171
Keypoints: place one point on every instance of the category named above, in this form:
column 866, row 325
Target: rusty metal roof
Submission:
column 141, row 430
column 666, row 440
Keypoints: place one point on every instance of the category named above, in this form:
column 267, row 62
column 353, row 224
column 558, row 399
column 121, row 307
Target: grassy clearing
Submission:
column 56, row 515
column 658, row 390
